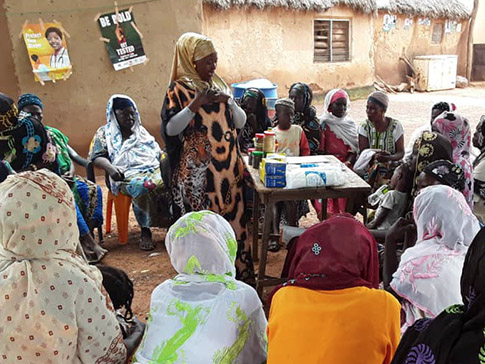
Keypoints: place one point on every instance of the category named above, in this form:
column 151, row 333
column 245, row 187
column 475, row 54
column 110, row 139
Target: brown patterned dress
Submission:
column 207, row 168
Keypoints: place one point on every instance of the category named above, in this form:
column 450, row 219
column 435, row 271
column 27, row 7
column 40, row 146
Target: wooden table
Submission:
column 355, row 190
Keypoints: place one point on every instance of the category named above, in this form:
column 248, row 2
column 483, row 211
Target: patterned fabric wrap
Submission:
column 308, row 119
column 457, row 335
column 29, row 99
column 447, row 173
column 327, row 260
column 52, row 300
column 428, row 148
column 204, row 314
column 5, row 170
column 456, row 129
column 8, row 112
column 428, row 276
column 344, row 127
column 139, row 153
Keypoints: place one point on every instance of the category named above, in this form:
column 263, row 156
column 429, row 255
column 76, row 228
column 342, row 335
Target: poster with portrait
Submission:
column 47, row 49
column 122, row 39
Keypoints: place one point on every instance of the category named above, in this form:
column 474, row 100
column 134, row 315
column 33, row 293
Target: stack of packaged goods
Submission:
column 272, row 171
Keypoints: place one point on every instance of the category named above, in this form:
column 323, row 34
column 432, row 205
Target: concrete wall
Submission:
column 77, row 106
column 479, row 31
column 278, row 44
column 416, row 40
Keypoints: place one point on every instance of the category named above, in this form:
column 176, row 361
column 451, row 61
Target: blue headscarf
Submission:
column 29, row 99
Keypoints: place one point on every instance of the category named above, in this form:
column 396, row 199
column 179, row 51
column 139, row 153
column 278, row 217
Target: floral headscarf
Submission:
column 447, row 173
column 202, row 248
column 456, row 129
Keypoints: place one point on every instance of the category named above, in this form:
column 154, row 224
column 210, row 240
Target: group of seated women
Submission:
column 331, row 308
column 346, row 299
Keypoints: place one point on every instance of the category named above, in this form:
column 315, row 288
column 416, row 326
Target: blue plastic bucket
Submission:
column 269, row 89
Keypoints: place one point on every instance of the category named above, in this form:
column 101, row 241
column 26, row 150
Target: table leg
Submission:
column 324, row 209
column 256, row 204
column 267, row 225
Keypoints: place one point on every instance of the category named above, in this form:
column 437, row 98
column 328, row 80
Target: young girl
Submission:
column 292, row 142
column 291, row 138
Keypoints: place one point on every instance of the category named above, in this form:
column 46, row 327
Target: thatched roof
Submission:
column 367, row 6
column 453, row 9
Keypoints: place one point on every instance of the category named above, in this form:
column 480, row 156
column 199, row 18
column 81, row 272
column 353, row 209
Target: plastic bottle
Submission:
column 376, row 197
column 269, row 141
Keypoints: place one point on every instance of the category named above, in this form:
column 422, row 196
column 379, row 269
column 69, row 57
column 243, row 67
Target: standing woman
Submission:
column 199, row 122
column 306, row 116
column 457, row 130
column 382, row 133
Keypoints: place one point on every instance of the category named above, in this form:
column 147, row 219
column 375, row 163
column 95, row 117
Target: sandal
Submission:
column 273, row 246
column 146, row 242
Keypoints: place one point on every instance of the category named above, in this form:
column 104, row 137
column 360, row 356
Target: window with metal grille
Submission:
column 331, row 40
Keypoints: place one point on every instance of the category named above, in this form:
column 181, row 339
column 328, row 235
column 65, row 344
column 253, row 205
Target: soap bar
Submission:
column 275, row 181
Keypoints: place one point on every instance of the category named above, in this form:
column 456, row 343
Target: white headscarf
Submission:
column 344, row 127
column 139, row 153
column 52, row 302
column 202, row 247
column 429, row 273
column 221, row 319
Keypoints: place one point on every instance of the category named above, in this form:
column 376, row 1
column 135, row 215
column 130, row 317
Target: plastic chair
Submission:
column 122, row 209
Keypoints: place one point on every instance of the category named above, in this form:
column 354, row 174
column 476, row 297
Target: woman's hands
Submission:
column 115, row 173
column 207, row 97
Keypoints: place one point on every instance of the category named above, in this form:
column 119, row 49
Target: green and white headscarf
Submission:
column 202, row 247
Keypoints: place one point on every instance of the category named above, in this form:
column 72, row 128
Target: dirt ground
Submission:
column 148, row 269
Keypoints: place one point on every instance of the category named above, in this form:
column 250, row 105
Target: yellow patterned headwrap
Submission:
column 189, row 48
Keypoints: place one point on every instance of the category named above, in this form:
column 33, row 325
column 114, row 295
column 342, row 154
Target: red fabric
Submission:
column 304, row 147
column 340, row 94
column 347, row 256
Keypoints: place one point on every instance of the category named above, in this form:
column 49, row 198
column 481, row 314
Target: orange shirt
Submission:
column 353, row 325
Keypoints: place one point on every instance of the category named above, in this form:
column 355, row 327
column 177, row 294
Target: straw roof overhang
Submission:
column 366, row 6
column 451, row 9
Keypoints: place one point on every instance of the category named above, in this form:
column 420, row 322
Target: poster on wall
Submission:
column 408, row 23
column 47, row 49
column 424, row 21
column 122, row 39
column 389, row 22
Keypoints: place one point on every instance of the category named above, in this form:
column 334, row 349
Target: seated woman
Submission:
column 306, row 116
column 253, row 102
column 88, row 196
column 340, row 137
column 131, row 158
column 331, row 299
column 457, row 130
column 456, row 335
column 203, row 315
column 53, row 306
column 24, row 142
column 427, row 279
column 384, row 134
column 479, row 171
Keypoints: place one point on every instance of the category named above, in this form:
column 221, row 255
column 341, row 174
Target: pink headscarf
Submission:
column 340, row 94
column 456, row 129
